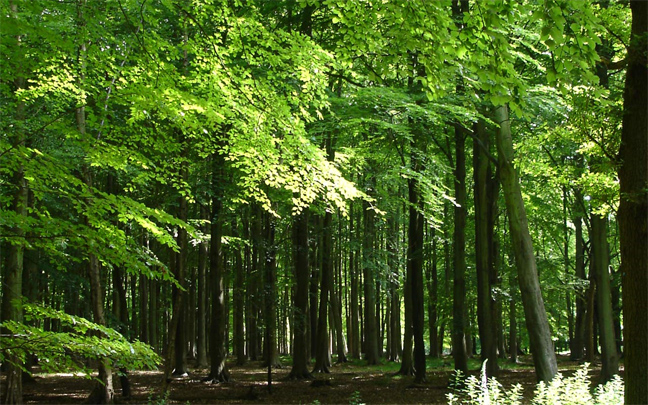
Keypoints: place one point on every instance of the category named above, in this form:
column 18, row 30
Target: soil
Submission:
column 351, row 382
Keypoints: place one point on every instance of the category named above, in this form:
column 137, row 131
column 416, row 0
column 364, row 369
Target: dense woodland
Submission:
column 184, row 184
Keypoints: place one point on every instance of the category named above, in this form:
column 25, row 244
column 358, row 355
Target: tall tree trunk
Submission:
column 354, row 332
column 459, row 351
column 302, row 272
column 633, row 209
column 322, row 354
column 271, row 354
column 180, row 350
column 394, row 343
column 578, row 346
column 600, row 265
column 433, row 298
column 415, row 273
column 314, row 285
column 544, row 358
column 407, row 364
column 483, row 242
column 253, row 296
column 154, row 289
column 370, row 325
column 239, row 300
column 513, row 347
column 340, row 341
column 201, row 342
column 218, row 343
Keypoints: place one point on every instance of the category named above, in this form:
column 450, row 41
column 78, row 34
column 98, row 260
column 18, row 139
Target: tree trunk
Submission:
column 433, row 299
column 302, row 272
column 459, row 256
column 180, row 342
column 544, row 358
column 271, row 355
column 218, row 343
column 201, row 342
column 322, row 354
column 415, row 273
column 483, row 242
column 513, row 347
column 239, row 299
column 407, row 365
column 394, row 343
column 371, row 328
column 633, row 209
column 354, row 332
column 578, row 346
column 600, row 265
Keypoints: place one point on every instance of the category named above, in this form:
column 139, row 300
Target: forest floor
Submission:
column 348, row 383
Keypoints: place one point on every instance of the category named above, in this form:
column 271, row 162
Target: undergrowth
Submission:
column 574, row 390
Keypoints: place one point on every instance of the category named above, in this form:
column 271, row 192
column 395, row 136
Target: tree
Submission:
column 633, row 208
column 544, row 358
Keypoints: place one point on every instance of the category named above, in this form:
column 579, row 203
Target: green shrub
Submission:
column 574, row 390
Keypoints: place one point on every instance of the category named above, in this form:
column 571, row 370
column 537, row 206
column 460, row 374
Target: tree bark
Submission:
column 271, row 354
column 394, row 343
column 415, row 274
column 633, row 209
column 483, row 242
column 371, row 328
column 218, row 350
column 302, row 272
column 322, row 353
column 354, row 332
column 433, row 299
column 578, row 346
column 459, row 352
column 201, row 343
column 544, row 358
column 600, row 265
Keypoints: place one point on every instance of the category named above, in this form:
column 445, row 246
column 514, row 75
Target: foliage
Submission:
column 572, row 390
column 69, row 351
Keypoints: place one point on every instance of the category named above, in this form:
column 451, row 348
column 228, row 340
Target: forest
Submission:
column 323, row 201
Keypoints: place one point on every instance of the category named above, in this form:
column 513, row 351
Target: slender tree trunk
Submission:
column 394, row 342
column 271, row 355
column 407, row 364
column 201, row 342
column 180, row 351
column 354, row 338
column 633, row 210
column 433, row 299
column 218, row 343
column 239, row 299
column 371, row 327
column 415, row 274
column 322, row 354
column 544, row 358
column 600, row 265
column 314, row 284
column 578, row 346
column 590, row 331
column 513, row 347
column 483, row 242
column 302, row 272
column 459, row 350
column 340, row 342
